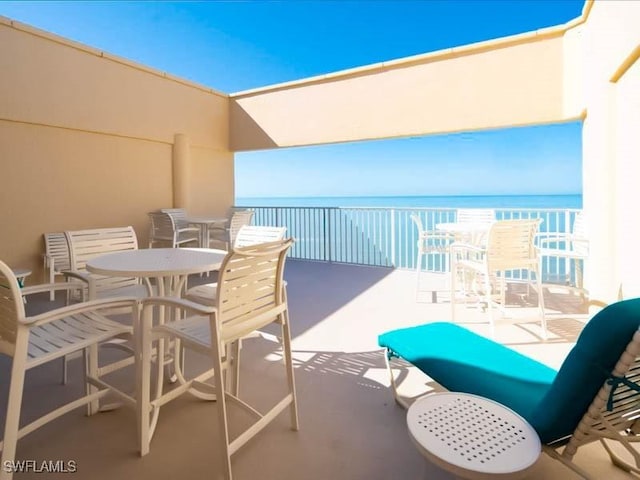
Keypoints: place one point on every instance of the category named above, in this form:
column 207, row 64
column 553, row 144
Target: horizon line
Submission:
column 407, row 196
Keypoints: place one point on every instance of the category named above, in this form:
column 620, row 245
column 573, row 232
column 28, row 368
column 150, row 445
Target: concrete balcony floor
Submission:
column 350, row 426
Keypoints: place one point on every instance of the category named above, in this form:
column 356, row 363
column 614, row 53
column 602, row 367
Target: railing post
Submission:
column 327, row 229
column 393, row 237
column 567, row 261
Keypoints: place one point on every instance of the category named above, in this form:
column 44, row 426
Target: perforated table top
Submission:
column 472, row 436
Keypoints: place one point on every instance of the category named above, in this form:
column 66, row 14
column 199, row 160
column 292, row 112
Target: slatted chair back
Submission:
column 239, row 219
column 579, row 241
column 87, row 244
column 475, row 215
column 55, row 258
column 11, row 308
column 254, row 234
column 179, row 216
column 162, row 228
column 56, row 249
column 250, row 288
column 511, row 245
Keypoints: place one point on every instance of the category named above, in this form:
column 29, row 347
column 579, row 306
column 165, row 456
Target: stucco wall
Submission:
column 508, row 82
column 610, row 86
column 86, row 141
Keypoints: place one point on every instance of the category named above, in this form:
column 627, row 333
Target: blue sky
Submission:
column 234, row 46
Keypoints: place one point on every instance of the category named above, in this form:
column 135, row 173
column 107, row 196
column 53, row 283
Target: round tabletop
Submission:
column 21, row 272
column 157, row 262
column 472, row 436
column 464, row 227
column 206, row 220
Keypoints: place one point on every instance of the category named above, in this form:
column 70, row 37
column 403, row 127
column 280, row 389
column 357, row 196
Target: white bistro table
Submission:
column 468, row 232
column 473, row 437
column 204, row 223
column 170, row 267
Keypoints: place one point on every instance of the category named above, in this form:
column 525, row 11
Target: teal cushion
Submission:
column 585, row 369
column 462, row 361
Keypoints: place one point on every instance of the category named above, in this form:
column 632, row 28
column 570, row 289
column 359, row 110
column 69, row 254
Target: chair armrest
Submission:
column 48, row 260
column 466, row 247
column 436, row 235
column 180, row 303
column 47, row 287
column 554, row 237
column 187, row 229
column 85, row 277
column 77, row 308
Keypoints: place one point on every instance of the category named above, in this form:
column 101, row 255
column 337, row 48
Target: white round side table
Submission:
column 21, row 274
column 472, row 437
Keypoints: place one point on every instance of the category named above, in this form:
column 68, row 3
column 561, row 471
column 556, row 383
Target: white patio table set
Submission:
column 169, row 268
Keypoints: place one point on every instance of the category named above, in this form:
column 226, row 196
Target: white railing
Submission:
column 387, row 237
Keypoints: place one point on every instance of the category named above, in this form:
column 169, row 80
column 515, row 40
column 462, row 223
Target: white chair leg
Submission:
column 64, row 360
column 91, row 370
column 454, row 275
column 487, row 289
column 418, row 269
column 543, row 318
column 14, row 404
column 221, row 407
column 143, row 388
column 286, row 351
column 52, row 293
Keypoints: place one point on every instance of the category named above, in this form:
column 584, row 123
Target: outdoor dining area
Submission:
column 153, row 328
column 135, row 329
column 138, row 301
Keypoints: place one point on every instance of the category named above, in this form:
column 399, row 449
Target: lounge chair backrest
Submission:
column 586, row 368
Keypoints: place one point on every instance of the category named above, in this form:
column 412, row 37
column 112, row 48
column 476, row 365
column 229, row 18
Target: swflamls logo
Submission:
column 43, row 466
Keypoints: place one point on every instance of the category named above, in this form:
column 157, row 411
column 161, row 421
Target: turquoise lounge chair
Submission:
column 594, row 396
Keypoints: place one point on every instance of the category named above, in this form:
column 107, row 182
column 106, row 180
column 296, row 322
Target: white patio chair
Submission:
column 226, row 234
column 247, row 235
column 573, row 246
column 510, row 247
column 33, row 341
column 168, row 229
column 55, row 258
column 475, row 215
column 430, row 242
column 250, row 296
column 87, row 244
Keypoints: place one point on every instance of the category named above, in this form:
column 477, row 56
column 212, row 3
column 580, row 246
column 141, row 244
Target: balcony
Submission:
column 386, row 237
column 350, row 426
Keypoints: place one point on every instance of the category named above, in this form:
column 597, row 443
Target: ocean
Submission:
column 384, row 233
column 458, row 201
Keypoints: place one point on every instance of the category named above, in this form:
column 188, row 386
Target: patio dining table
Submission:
column 169, row 267
column 204, row 224
column 471, row 232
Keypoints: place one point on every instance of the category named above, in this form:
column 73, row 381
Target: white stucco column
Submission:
column 181, row 160
column 599, row 197
column 627, row 148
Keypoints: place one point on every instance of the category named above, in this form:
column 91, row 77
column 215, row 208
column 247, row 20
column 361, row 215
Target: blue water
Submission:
column 466, row 201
